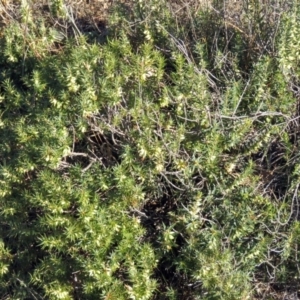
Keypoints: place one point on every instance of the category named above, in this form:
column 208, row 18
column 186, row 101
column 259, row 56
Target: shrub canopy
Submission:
column 155, row 158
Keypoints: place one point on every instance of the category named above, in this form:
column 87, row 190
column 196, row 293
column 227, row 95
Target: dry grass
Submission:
column 93, row 11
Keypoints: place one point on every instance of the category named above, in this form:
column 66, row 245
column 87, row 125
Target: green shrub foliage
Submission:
column 160, row 164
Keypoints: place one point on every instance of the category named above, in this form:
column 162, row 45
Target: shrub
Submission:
column 158, row 164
